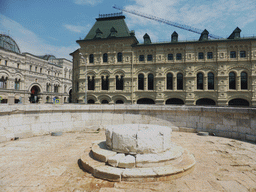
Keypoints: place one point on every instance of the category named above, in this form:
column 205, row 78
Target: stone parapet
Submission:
column 35, row 119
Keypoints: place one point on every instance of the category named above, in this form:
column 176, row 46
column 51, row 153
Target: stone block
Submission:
column 45, row 117
column 124, row 138
column 139, row 172
column 108, row 173
column 250, row 137
column 167, row 170
column 88, row 163
column 243, row 123
column 127, row 162
column 100, row 151
column 114, row 160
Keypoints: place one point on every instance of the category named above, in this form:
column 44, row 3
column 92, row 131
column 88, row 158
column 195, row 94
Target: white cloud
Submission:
column 211, row 15
column 88, row 2
column 76, row 28
column 28, row 41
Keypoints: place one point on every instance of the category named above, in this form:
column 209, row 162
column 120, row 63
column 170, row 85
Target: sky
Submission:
column 53, row 26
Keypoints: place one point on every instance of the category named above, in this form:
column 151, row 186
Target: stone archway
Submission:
column 35, row 90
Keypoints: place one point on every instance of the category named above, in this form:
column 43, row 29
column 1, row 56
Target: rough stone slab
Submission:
column 108, row 173
column 100, row 151
column 88, row 162
column 127, row 162
column 138, row 172
column 114, row 160
column 144, row 160
column 124, row 138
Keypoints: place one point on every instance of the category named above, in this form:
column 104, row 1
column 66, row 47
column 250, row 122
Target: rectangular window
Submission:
column 170, row 56
column 6, row 62
column 178, row 56
column 201, row 55
column 150, row 58
column 141, row 58
column 232, row 54
column 30, row 68
column 242, row 54
column 18, row 65
column 209, row 55
column 35, row 69
column 40, row 70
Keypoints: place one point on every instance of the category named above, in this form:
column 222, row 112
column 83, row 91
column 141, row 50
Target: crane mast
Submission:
column 185, row 27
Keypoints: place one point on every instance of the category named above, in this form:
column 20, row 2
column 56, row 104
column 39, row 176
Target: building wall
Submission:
column 221, row 64
column 29, row 71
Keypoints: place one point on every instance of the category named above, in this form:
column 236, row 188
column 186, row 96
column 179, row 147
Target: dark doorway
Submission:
column 70, row 96
column 104, row 102
column 34, row 94
column 145, row 101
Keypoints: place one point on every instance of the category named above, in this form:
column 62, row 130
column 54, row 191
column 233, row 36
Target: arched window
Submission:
column 104, row 102
column 91, row 58
column 105, row 57
column 244, row 80
column 17, row 84
column 119, row 82
column 238, row 102
column 200, row 81
column 141, row 82
column 169, row 81
column 90, row 101
column 210, row 81
column 179, row 81
column 104, row 83
column 205, row 101
column 150, row 81
column 119, row 101
column 119, row 57
column 232, row 80
column 91, row 83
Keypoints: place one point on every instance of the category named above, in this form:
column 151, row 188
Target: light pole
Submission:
column 85, row 89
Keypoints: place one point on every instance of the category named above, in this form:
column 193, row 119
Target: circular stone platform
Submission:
column 135, row 152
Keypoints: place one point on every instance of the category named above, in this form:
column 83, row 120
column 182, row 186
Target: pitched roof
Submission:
column 106, row 25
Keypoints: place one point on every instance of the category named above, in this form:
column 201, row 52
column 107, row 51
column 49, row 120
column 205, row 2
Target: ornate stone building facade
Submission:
column 26, row 78
column 119, row 69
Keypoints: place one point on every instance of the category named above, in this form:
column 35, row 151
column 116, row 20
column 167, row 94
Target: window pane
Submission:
column 141, row 58
column 200, row 55
column 178, row 56
column 119, row 83
column 141, row 82
column 244, row 83
column 91, row 58
column 170, row 56
column 169, row 81
column 179, row 81
column 150, row 57
column 232, row 54
column 210, row 81
column 209, row 55
column 150, row 82
column 242, row 54
column 105, row 57
column 119, row 57
column 232, row 80
column 200, row 81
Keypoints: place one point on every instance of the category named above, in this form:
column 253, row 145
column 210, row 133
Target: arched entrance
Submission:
column 70, row 96
column 35, row 90
column 145, row 101
column 238, row 103
column 174, row 101
column 205, row 101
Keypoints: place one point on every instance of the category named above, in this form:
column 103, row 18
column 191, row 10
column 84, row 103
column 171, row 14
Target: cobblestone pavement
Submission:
column 50, row 163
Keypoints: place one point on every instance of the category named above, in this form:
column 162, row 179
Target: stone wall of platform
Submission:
column 35, row 119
